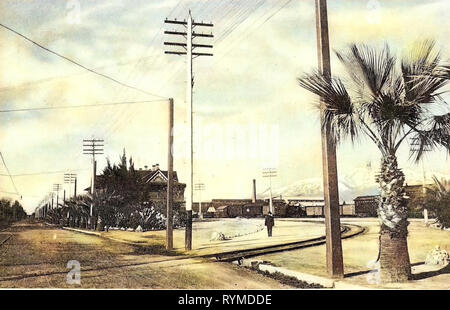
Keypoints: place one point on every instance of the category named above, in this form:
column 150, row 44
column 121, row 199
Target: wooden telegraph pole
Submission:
column 75, row 187
column 335, row 264
column 270, row 173
column 93, row 147
column 199, row 187
column 189, row 47
column 169, row 220
column 57, row 189
column 71, row 178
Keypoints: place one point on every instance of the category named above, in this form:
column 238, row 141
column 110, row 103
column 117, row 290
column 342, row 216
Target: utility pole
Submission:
column 57, row 188
column 270, row 173
column 254, row 191
column 71, row 178
column 415, row 145
column 169, row 220
column 335, row 263
column 200, row 187
column 93, row 147
column 189, row 47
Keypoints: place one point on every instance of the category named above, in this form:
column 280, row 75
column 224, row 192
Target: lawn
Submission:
column 361, row 251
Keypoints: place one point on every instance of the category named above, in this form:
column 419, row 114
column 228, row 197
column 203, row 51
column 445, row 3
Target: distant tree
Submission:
column 389, row 104
column 122, row 179
column 11, row 212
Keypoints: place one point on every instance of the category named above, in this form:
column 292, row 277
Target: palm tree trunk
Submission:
column 393, row 215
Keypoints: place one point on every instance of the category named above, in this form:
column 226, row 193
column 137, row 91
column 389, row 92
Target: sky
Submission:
column 249, row 112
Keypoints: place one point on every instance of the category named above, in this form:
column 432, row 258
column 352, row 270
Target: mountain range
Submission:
column 358, row 183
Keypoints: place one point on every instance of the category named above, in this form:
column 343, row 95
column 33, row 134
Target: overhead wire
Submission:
column 80, row 106
column 43, row 173
column 125, row 119
column 77, row 63
column 120, row 115
column 9, row 173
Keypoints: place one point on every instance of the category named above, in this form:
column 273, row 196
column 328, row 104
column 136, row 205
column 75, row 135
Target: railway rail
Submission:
column 347, row 231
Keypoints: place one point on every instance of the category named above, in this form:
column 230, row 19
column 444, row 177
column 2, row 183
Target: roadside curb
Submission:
column 327, row 283
column 99, row 234
column 86, row 232
column 304, row 277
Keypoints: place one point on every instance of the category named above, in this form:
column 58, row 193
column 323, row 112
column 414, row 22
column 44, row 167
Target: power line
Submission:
column 276, row 12
column 80, row 106
column 10, row 193
column 53, row 78
column 222, row 36
column 7, row 170
column 41, row 173
column 118, row 115
column 250, row 29
column 78, row 64
column 123, row 117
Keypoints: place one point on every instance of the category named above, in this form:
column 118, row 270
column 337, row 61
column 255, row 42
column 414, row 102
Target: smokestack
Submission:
column 254, row 191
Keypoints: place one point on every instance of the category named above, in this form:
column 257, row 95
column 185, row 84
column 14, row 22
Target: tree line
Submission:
column 121, row 200
column 11, row 212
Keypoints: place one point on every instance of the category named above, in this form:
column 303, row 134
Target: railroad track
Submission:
column 347, row 231
column 3, row 240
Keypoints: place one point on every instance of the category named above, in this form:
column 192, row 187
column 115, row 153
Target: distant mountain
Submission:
column 360, row 182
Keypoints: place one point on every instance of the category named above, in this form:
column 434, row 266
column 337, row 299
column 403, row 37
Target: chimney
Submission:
column 254, row 191
column 145, row 167
column 155, row 167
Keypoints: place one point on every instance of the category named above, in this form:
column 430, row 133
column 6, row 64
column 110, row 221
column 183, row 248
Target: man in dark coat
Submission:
column 269, row 223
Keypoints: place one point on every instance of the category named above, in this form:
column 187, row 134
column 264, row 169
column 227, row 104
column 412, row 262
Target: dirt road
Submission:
column 36, row 255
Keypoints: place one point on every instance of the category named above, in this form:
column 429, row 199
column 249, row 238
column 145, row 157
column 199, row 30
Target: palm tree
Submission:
column 391, row 102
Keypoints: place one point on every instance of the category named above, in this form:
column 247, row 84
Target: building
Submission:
column 347, row 209
column 205, row 207
column 366, row 205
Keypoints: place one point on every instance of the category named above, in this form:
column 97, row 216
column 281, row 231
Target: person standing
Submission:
column 269, row 222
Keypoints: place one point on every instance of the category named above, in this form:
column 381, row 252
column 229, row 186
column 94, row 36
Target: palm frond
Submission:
column 422, row 73
column 437, row 134
column 441, row 188
column 440, row 130
column 368, row 67
column 340, row 115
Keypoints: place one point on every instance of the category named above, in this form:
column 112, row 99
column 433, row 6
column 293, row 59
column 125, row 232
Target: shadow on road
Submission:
column 429, row 274
column 359, row 273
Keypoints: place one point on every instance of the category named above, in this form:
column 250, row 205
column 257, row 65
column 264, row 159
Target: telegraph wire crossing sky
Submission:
column 111, row 54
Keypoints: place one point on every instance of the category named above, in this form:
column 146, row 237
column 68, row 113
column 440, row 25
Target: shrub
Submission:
column 438, row 201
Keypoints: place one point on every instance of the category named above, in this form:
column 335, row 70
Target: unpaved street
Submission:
column 36, row 255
